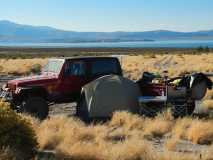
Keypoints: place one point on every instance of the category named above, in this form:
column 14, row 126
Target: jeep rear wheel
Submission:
column 36, row 106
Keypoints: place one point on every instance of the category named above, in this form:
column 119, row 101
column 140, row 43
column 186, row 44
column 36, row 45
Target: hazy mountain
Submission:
column 12, row 32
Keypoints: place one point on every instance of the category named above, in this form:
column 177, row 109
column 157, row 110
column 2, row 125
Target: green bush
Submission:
column 16, row 133
column 203, row 49
column 36, row 68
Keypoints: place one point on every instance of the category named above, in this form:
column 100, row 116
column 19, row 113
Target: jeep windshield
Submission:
column 53, row 66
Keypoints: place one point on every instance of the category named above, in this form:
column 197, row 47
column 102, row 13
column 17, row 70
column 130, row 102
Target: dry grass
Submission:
column 122, row 138
column 8, row 154
column 157, row 127
column 127, row 121
column 52, row 132
column 181, row 127
column 133, row 65
column 195, row 130
column 207, row 103
column 171, row 144
column 175, row 64
column 200, row 132
column 71, row 138
column 19, row 66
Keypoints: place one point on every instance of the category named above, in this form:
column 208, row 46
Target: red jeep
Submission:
column 60, row 81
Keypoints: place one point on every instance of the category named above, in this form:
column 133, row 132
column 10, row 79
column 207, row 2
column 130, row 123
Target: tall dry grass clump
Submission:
column 159, row 126
column 195, row 130
column 55, row 130
column 181, row 127
column 127, row 120
column 200, row 132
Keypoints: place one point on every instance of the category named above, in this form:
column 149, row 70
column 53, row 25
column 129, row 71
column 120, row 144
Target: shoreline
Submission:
column 29, row 52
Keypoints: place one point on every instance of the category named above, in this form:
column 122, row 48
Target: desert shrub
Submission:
column 200, row 49
column 158, row 127
column 203, row 49
column 200, row 132
column 127, row 120
column 59, row 129
column 36, row 68
column 16, row 133
column 181, row 127
column 6, row 154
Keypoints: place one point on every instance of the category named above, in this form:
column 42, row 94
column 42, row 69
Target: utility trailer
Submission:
column 148, row 96
column 181, row 94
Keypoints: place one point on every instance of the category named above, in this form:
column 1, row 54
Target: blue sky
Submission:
column 111, row 15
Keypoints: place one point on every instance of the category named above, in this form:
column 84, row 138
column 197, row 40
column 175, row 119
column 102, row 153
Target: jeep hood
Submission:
column 32, row 80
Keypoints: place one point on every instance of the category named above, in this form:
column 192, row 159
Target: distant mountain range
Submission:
column 13, row 32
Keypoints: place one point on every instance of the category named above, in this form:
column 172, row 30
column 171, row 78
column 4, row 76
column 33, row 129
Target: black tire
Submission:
column 191, row 108
column 82, row 109
column 182, row 110
column 151, row 109
column 36, row 106
column 179, row 111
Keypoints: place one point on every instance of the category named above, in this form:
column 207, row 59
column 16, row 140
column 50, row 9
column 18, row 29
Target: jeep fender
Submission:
column 37, row 91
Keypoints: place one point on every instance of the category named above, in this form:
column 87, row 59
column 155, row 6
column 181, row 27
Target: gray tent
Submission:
column 109, row 94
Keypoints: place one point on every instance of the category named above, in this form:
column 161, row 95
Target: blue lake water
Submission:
column 143, row 44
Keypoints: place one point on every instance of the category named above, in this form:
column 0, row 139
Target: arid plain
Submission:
column 127, row 136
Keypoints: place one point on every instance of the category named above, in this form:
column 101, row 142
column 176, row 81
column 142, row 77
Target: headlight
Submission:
column 5, row 88
column 18, row 90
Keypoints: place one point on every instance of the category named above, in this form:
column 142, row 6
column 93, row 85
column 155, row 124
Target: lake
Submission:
column 142, row 44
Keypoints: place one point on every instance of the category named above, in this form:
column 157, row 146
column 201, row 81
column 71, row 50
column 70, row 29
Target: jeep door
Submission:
column 74, row 78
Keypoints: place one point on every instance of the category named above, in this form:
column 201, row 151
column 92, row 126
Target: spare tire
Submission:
column 36, row 106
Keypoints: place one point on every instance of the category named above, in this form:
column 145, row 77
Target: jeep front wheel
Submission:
column 36, row 106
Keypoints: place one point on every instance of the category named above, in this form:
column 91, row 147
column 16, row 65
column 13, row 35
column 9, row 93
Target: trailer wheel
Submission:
column 179, row 111
column 150, row 110
column 36, row 106
column 190, row 108
column 182, row 109
column 82, row 109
